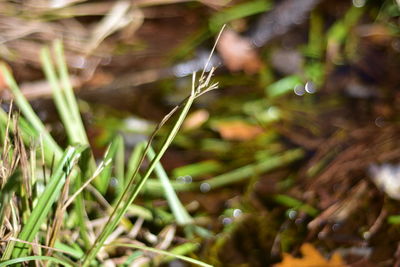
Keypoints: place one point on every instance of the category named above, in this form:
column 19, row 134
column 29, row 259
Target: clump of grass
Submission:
column 47, row 192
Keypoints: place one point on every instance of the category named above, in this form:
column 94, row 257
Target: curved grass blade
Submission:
column 162, row 252
column 34, row 258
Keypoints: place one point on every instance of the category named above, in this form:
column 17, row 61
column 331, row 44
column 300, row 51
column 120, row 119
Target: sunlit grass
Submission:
column 46, row 187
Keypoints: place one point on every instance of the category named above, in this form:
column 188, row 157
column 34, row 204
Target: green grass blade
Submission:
column 71, row 126
column 162, row 252
column 79, row 208
column 34, row 258
column 68, row 91
column 179, row 211
column 7, row 192
column 119, row 163
column 134, row 159
column 103, row 181
column 236, row 12
column 296, row 204
column 50, row 146
column 47, row 198
column 154, row 187
column 198, row 169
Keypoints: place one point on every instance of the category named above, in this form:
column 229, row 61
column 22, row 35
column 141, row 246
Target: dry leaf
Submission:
column 311, row 258
column 195, row 119
column 238, row 130
column 238, row 53
column 3, row 83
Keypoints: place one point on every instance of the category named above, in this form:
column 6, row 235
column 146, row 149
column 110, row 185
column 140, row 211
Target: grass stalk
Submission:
column 132, row 190
column 162, row 252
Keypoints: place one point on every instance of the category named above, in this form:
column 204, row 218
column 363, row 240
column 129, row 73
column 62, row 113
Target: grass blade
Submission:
column 154, row 187
column 34, row 258
column 50, row 146
column 68, row 91
column 47, row 198
column 179, row 211
column 71, row 126
column 162, row 252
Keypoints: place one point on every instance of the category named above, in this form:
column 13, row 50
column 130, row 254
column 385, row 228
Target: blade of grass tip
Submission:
column 35, row 258
column 179, row 211
column 26, row 109
column 47, row 198
column 132, row 191
column 69, row 122
column 162, row 252
column 68, row 90
column 211, row 53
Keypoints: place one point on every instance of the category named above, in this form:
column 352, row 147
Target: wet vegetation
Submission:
column 210, row 133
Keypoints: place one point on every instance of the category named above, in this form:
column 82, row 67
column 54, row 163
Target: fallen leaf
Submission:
column 311, row 258
column 195, row 119
column 3, row 83
column 238, row 53
column 100, row 79
column 238, row 130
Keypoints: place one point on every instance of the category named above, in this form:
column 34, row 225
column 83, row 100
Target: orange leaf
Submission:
column 238, row 130
column 195, row 119
column 238, row 53
column 311, row 258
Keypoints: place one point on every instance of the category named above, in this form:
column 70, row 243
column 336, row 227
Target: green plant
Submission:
column 54, row 180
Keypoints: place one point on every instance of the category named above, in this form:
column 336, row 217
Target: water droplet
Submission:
column 113, row 182
column 322, row 235
column 79, row 62
column 205, row 187
column 299, row 221
column 237, row 212
column 299, row 90
column 226, row 221
column 310, row 87
column 358, row 3
column 367, row 235
column 379, row 122
column 180, row 180
column 335, row 227
column 292, row 214
column 273, row 113
column 188, row 179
